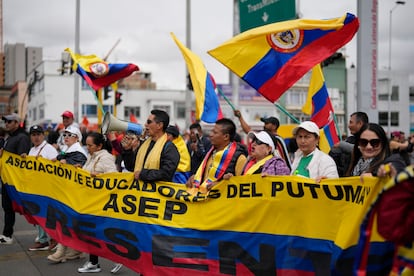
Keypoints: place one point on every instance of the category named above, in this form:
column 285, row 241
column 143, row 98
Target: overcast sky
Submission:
column 144, row 26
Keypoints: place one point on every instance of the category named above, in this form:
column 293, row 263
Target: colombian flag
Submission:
column 273, row 57
column 207, row 103
column 97, row 72
column 330, row 135
column 319, row 106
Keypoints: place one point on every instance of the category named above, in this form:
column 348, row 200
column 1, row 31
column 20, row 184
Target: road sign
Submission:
column 255, row 13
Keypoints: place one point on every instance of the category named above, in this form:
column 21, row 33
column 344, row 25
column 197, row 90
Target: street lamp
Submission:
column 390, row 30
column 389, row 62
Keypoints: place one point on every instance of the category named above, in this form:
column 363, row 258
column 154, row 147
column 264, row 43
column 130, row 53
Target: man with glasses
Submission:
column 18, row 142
column 157, row 158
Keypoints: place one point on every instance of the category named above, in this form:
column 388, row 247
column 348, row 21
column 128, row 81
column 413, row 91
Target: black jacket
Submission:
column 168, row 164
column 18, row 142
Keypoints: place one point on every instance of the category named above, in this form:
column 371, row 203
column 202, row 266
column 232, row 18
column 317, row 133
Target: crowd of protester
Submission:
column 199, row 160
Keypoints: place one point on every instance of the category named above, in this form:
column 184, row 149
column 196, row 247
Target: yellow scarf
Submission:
column 154, row 156
column 256, row 166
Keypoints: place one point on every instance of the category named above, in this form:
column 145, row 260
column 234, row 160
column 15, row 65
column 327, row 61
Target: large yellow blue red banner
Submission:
column 249, row 225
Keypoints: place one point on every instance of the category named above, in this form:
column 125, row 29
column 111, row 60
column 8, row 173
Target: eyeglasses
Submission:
column 7, row 121
column 69, row 135
column 375, row 143
column 258, row 142
column 150, row 122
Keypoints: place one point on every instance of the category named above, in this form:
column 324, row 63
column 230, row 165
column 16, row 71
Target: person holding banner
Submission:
column 309, row 161
column 371, row 150
column 225, row 156
column 45, row 150
column 75, row 155
column 99, row 161
column 157, row 158
column 262, row 158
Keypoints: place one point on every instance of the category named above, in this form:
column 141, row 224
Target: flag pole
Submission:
column 338, row 130
column 97, row 99
column 290, row 115
column 225, row 98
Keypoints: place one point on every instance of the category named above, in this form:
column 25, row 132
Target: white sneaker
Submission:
column 89, row 267
column 116, row 268
column 5, row 240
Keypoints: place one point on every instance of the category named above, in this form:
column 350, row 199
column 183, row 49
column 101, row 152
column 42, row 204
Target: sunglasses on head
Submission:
column 373, row 142
column 258, row 142
column 69, row 135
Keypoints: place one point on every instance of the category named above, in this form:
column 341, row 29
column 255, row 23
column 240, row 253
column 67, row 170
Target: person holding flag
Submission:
column 309, row 161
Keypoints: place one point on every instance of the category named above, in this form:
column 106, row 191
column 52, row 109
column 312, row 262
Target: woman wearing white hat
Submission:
column 309, row 161
column 73, row 154
column 261, row 158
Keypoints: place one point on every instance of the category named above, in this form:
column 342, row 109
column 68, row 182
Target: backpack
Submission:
column 395, row 209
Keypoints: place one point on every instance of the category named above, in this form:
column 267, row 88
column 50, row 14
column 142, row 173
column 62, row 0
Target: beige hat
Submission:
column 309, row 126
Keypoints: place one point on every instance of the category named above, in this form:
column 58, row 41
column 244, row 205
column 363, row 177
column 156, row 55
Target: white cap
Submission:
column 308, row 126
column 264, row 137
column 74, row 130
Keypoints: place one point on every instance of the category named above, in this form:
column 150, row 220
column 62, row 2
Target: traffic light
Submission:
column 118, row 99
column 107, row 89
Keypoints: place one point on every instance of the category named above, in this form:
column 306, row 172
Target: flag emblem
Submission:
column 99, row 69
column 287, row 41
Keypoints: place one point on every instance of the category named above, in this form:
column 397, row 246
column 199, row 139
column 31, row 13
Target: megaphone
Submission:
column 111, row 123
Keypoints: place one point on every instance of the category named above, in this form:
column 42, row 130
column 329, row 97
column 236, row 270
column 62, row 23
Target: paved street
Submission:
column 16, row 260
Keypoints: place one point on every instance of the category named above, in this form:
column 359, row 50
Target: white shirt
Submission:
column 45, row 150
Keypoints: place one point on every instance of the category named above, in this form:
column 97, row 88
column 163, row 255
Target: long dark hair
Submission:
column 99, row 139
column 377, row 161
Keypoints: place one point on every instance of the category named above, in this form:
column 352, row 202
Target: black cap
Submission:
column 173, row 131
column 270, row 120
column 36, row 129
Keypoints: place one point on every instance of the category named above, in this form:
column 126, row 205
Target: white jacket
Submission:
column 320, row 165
